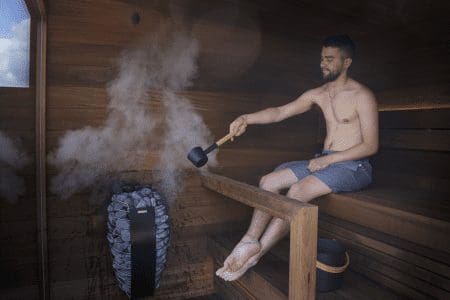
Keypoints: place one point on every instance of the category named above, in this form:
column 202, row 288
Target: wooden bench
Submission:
column 396, row 231
column 276, row 276
column 302, row 218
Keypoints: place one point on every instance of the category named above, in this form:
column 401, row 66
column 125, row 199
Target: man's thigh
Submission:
column 341, row 178
column 299, row 168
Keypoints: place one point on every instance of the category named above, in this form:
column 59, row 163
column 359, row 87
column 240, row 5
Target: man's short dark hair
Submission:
column 341, row 41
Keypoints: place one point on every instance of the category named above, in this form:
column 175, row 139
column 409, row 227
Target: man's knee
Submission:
column 307, row 189
column 268, row 183
column 296, row 191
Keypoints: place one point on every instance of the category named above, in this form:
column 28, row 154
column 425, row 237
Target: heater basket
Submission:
column 139, row 236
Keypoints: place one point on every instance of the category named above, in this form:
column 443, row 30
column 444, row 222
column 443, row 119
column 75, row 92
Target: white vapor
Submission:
column 163, row 65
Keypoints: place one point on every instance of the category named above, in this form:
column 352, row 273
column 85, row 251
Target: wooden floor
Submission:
column 269, row 278
column 208, row 297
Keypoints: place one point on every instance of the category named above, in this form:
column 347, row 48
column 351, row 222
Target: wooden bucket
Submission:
column 332, row 260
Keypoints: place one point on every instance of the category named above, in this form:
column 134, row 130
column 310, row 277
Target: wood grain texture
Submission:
column 303, row 254
column 414, row 149
column 433, row 259
column 303, row 228
column 85, row 39
column 406, row 274
column 97, row 33
column 257, row 283
column 40, row 131
column 397, row 221
column 368, row 267
column 269, row 278
column 427, row 140
column 273, row 204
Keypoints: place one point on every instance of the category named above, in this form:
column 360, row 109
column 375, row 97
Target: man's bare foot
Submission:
column 231, row 276
column 244, row 250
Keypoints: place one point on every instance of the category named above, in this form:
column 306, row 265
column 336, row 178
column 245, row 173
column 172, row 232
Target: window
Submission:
column 14, row 43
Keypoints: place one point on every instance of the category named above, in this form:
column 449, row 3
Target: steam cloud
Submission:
column 164, row 64
column 12, row 159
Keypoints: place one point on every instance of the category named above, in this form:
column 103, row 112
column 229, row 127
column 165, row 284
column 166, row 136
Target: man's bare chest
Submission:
column 339, row 109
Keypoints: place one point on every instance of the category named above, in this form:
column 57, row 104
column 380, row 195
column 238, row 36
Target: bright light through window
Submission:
column 14, row 43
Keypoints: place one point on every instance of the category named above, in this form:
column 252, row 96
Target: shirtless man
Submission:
column 351, row 115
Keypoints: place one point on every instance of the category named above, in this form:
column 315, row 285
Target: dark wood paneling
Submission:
column 415, row 119
column 416, row 139
column 424, row 163
column 85, row 39
column 415, row 147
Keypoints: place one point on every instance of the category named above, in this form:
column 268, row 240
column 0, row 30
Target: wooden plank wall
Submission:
column 18, row 252
column 84, row 39
column 415, row 149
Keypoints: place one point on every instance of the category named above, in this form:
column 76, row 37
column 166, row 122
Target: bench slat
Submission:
column 391, row 219
column 415, row 139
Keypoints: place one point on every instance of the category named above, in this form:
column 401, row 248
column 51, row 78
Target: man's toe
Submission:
column 221, row 271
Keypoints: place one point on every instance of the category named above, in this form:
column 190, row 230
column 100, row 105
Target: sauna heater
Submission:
column 138, row 236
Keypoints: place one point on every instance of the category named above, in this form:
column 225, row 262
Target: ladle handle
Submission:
column 224, row 139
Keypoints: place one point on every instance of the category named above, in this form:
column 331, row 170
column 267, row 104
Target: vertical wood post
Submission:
column 41, row 198
column 303, row 254
column 303, row 220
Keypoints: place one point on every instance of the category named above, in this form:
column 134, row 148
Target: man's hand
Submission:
column 238, row 126
column 319, row 163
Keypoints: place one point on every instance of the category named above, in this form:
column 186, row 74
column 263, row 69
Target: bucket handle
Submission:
column 331, row 269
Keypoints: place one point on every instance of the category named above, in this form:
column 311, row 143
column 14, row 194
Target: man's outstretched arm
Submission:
column 273, row 114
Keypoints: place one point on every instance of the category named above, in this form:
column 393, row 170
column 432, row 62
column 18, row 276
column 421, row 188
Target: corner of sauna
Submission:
column 125, row 89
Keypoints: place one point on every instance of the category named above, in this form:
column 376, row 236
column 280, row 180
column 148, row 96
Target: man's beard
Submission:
column 331, row 76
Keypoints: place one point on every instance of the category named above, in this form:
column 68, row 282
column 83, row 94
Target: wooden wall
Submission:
column 415, row 149
column 254, row 54
column 84, row 40
column 18, row 245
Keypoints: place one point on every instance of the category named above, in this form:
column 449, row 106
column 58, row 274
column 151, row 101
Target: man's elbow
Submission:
column 278, row 115
column 372, row 148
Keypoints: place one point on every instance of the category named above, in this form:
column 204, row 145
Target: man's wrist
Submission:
column 333, row 158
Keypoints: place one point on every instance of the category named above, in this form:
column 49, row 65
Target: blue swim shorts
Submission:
column 346, row 176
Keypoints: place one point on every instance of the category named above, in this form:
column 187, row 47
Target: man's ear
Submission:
column 347, row 62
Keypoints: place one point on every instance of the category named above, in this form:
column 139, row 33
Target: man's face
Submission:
column 331, row 63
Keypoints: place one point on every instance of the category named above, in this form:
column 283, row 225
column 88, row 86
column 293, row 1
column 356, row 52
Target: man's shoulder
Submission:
column 362, row 92
column 365, row 98
column 315, row 92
